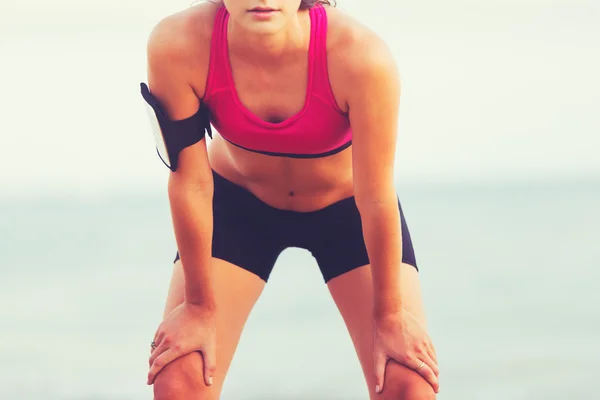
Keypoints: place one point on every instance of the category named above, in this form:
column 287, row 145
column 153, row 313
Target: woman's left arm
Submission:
column 373, row 110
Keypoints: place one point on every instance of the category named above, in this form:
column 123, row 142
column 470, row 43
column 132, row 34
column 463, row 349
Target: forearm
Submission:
column 383, row 239
column 191, row 210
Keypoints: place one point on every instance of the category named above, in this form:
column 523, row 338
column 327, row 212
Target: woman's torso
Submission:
column 277, row 94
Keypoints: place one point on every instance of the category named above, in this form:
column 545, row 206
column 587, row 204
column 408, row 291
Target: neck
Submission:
column 252, row 46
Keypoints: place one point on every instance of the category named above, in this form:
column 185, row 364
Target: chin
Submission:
column 263, row 27
column 263, row 30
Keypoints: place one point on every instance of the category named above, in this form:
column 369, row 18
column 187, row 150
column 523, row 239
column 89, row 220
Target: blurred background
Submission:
column 497, row 169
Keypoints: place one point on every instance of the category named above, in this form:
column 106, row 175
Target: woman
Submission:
column 305, row 100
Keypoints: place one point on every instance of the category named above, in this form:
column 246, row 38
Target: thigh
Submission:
column 337, row 242
column 236, row 291
column 353, row 295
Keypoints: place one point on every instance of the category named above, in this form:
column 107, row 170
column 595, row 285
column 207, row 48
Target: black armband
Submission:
column 172, row 137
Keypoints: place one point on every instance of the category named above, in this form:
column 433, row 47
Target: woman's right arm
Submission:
column 172, row 64
column 170, row 68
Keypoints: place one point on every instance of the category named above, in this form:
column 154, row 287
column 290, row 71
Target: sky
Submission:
column 492, row 91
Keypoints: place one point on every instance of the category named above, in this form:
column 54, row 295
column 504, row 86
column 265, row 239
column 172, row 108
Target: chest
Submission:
column 274, row 94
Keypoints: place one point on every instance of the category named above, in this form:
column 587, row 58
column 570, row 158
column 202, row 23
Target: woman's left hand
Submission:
column 401, row 338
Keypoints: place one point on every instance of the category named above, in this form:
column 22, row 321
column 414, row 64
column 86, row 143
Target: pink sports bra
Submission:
column 320, row 129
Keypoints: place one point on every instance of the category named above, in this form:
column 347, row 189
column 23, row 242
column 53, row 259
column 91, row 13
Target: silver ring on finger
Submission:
column 420, row 367
column 153, row 345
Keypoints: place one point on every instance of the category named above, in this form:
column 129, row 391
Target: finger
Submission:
column 162, row 343
column 159, row 363
column 158, row 332
column 161, row 348
column 210, row 364
column 154, row 345
column 380, row 361
column 427, row 373
column 432, row 354
column 430, row 363
column 159, row 337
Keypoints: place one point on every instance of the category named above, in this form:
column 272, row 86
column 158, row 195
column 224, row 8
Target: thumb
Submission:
column 210, row 364
column 380, row 361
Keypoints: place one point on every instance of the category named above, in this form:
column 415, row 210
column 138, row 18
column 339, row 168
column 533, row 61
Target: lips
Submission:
column 262, row 9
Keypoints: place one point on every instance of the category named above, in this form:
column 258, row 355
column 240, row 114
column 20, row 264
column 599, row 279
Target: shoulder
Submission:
column 360, row 53
column 179, row 44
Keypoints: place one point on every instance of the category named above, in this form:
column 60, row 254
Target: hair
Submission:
column 306, row 4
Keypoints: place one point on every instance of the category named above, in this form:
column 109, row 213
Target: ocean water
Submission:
column 510, row 277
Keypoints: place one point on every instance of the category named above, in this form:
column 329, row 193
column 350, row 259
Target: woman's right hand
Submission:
column 186, row 329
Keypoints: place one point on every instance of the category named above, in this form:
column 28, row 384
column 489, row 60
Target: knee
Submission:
column 182, row 379
column 402, row 383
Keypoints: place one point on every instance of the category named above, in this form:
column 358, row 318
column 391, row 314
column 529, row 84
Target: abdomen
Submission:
column 300, row 184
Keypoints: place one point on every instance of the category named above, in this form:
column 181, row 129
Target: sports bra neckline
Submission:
column 309, row 84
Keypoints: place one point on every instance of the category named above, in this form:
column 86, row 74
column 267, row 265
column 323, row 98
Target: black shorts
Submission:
column 251, row 234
